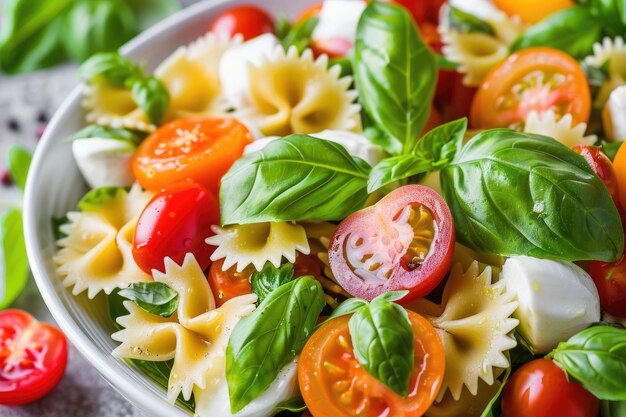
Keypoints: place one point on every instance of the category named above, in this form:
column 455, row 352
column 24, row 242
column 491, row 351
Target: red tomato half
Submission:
column 33, row 357
column 403, row 242
column 175, row 222
column 541, row 389
column 610, row 280
column 248, row 20
column 603, row 167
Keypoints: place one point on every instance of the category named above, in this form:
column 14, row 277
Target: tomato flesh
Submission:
column 33, row 357
column 403, row 242
column 334, row 384
column 541, row 389
column 176, row 222
column 610, row 280
column 532, row 11
column 248, row 20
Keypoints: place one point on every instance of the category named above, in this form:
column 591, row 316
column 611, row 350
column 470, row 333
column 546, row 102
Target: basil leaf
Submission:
column 445, row 64
column 612, row 14
column 573, row 30
column 154, row 297
column 493, row 407
column 436, row 149
column 349, row 306
column 19, row 160
column 115, row 305
column 269, row 278
column 514, row 193
column 149, row 12
column 610, row 149
column 295, row 405
column 97, row 26
column 296, row 178
column 462, row 21
column 269, row 338
column 160, row 373
column 596, row 358
column 111, row 67
column 613, row 408
column 300, row 34
column 57, row 222
column 393, row 295
column 97, row 131
column 382, row 337
column 13, row 259
column 152, row 97
column 98, row 197
column 345, row 64
column 395, row 74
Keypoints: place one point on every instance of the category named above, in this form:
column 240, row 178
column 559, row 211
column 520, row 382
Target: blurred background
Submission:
column 42, row 43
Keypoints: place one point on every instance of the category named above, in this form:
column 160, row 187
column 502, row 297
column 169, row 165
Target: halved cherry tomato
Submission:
column 537, row 79
column 334, row 384
column 603, row 167
column 532, row 11
column 619, row 163
column 541, row 389
column 33, row 357
column 176, row 222
column 201, row 149
column 248, row 20
column 403, row 242
column 610, row 280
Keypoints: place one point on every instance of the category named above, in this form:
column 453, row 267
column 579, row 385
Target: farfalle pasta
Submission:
column 611, row 52
column 562, row 129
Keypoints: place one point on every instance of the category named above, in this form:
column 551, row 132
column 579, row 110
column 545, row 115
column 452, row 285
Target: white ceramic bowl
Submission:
column 55, row 186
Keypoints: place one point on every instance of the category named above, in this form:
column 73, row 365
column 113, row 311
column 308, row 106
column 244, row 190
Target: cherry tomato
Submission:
column 603, row 167
column 33, row 357
column 333, row 47
column 403, row 242
column 619, row 163
column 175, row 222
column 452, row 98
column 197, row 148
column 541, row 389
column 532, row 11
column 248, row 20
column 421, row 10
column 610, row 280
column 334, row 384
column 537, row 79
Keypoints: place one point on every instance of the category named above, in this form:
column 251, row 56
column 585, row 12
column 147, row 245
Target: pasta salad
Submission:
column 395, row 208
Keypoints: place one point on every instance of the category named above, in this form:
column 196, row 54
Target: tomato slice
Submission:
column 403, row 242
column 201, row 149
column 537, row 79
column 610, row 280
column 541, row 389
column 33, row 357
column 176, row 222
column 248, row 20
column 334, row 384
column 532, row 11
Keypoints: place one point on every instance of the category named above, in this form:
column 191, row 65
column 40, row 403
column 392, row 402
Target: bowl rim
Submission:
column 137, row 395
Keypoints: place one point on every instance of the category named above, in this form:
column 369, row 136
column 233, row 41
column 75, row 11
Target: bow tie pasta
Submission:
column 612, row 53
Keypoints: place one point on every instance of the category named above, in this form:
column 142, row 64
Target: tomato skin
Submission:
column 610, row 280
column 421, row 10
column 532, row 11
column 541, row 389
column 418, row 281
column 248, row 20
column 331, row 344
column 498, row 103
column 175, row 222
column 452, row 98
column 33, row 343
column 195, row 148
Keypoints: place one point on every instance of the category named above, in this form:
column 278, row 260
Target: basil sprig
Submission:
column 298, row 35
column 154, row 297
column 269, row 338
column 395, row 74
column 596, row 358
column 514, row 193
column 295, row 178
column 265, row 281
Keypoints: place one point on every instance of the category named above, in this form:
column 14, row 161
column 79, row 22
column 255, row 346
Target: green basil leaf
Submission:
column 152, row 97
column 462, row 21
column 97, row 26
column 97, row 131
column 296, row 178
column 572, row 30
column 300, row 34
column 345, row 64
column 295, row 405
column 115, row 305
column 269, row 338
column 150, row 12
column 445, row 64
column 349, row 306
column 269, row 278
column 514, row 193
column 282, row 26
column 98, row 197
column 160, row 373
column 610, row 149
column 154, row 297
column 436, row 149
column 395, row 74
column 612, row 14
column 111, row 67
column 57, row 222
column 596, row 358
column 392, row 295
column 19, row 160
column 613, row 408
column 13, row 259
column 493, row 408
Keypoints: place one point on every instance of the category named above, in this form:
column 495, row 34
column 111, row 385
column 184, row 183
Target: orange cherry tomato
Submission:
column 537, row 79
column 532, row 11
column 334, row 384
column 619, row 164
column 201, row 149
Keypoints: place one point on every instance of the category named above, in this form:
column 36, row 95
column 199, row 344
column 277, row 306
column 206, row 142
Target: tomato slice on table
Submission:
column 33, row 357
column 541, row 389
column 403, row 242
column 536, row 79
column 610, row 280
column 175, row 222
column 334, row 384
column 248, row 20
column 201, row 149
column 532, row 11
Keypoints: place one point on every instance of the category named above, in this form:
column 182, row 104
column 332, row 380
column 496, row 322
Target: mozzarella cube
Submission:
column 614, row 115
column 339, row 19
column 104, row 162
